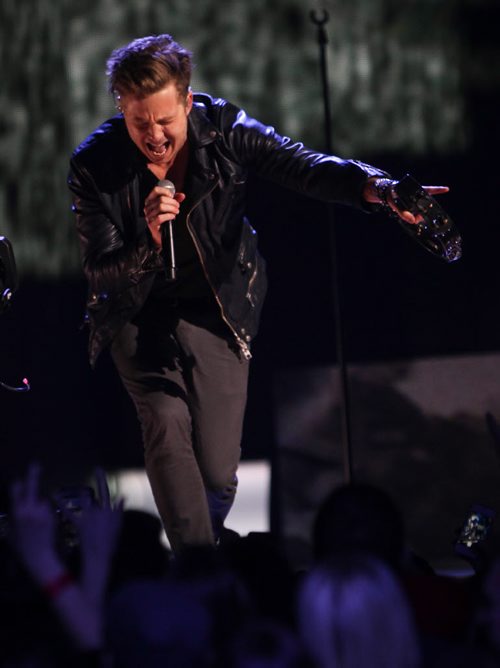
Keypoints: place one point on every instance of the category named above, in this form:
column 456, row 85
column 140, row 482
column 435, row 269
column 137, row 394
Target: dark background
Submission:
column 398, row 302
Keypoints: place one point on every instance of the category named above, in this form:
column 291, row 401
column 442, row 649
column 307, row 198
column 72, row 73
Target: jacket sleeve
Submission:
column 292, row 165
column 111, row 262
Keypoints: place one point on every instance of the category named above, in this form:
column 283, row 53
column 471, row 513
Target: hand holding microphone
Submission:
column 160, row 212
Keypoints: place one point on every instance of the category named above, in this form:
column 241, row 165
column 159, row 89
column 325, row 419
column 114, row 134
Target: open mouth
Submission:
column 158, row 150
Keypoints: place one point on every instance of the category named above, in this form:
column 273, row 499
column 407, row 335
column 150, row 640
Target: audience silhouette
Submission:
column 91, row 584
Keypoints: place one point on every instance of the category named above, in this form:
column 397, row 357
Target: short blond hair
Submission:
column 147, row 65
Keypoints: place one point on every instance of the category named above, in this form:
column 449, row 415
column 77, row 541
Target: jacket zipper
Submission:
column 243, row 346
column 250, row 285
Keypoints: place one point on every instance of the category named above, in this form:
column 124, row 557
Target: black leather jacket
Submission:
column 119, row 259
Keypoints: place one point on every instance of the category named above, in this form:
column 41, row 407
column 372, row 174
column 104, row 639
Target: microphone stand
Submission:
column 345, row 422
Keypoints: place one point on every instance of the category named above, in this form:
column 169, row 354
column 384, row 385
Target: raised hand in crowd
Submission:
column 77, row 602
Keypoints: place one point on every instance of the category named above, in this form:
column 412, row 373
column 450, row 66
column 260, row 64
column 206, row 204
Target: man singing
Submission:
column 176, row 283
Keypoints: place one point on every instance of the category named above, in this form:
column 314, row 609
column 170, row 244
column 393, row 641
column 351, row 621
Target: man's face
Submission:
column 157, row 124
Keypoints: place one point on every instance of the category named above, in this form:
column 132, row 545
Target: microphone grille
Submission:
column 165, row 183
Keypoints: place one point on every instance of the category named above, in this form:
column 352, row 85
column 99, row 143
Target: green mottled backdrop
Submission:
column 399, row 78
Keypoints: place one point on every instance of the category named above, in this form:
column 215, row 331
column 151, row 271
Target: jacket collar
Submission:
column 201, row 130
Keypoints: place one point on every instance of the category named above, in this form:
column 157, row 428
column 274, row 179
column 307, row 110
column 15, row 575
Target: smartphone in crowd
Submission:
column 474, row 532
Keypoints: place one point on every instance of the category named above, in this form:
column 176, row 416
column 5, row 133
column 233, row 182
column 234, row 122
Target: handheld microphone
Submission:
column 167, row 237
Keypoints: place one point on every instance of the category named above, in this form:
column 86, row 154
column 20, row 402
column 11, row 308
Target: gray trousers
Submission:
column 180, row 366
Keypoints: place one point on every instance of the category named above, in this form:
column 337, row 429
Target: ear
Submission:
column 189, row 102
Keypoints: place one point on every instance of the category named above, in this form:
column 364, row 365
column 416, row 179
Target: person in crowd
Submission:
column 353, row 612
column 360, row 516
column 76, row 598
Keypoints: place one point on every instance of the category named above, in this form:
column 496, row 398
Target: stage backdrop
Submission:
column 401, row 75
column 419, row 431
